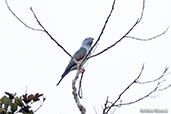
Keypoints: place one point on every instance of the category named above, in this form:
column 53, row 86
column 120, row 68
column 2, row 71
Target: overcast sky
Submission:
column 30, row 61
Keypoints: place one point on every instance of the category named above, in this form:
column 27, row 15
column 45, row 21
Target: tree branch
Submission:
column 132, row 102
column 105, row 105
column 101, row 33
column 40, row 105
column 133, row 82
column 154, row 37
column 39, row 23
column 20, row 19
column 164, row 88
column 80, row 86
column 148, row 95
column 137, row 22
column 163, row 74
column 74, row 92
column 44, row 30
column 96, row 43
column 108, row 107
column 95, row 110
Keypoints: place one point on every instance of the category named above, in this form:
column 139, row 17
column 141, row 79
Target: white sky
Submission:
column 29, row 59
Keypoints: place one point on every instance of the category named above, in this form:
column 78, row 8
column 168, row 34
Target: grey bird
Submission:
column 79, row 55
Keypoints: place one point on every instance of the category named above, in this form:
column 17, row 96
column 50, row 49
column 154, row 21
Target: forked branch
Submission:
column 127, row 33
column 101, row 33
column 39, row 23
column 44, row 30
column 108, row 104
column 20, row 19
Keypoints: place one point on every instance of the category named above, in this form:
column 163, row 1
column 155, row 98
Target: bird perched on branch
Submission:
column 78, row 56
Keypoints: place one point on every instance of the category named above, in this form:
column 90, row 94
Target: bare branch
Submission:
column 108, row 107
column 137, row 22
column 95, row 110
column 148, row 95
column 80, row 86
column 102, row 29
column 133, row 82
column 20, row 19
column 74, row 92
column 163, row 74
column 105, row 105
column 114, row 43
column 42, row 30
column 142, row 11
column 96, row 43
column 132, row 102
column 164, row 88
column 49, row 33
column 154, row 37
column 40, row 105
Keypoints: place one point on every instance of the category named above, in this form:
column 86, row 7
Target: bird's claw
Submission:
column 82, row 69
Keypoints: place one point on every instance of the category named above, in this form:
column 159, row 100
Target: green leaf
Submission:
column 26, row 111
column 14, row 107
column 6, row 101
column 18, row 101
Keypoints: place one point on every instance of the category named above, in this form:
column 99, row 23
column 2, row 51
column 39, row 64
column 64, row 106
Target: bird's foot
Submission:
column 82, row 69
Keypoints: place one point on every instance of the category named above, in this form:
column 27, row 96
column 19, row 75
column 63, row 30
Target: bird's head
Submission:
column 88, row 41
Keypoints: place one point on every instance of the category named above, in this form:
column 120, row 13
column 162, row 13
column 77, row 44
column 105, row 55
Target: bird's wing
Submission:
column 78, row 56
column 72, row 65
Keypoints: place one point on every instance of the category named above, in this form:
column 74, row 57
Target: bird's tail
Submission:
column 63, row 75
column 59, row 81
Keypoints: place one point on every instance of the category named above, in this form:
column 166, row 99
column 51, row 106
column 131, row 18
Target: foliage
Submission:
column 13, row 104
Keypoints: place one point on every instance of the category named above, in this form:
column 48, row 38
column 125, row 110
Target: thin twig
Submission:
column 163, row 74
column 80, row 86
column 164, row 88
column 105, row 105
column 132, row 102
column 49, row 33
column 124, row 36
column 40, row 105
column 20, row 19
column 157, row 88
column 115, row 42
column 101, row 33
column 42, row 30
column 133, row 82
column 94, row 46
column 148, row 95
column 95, row 110
column 154, row 37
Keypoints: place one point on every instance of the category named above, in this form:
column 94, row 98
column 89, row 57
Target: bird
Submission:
column 79, row 55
